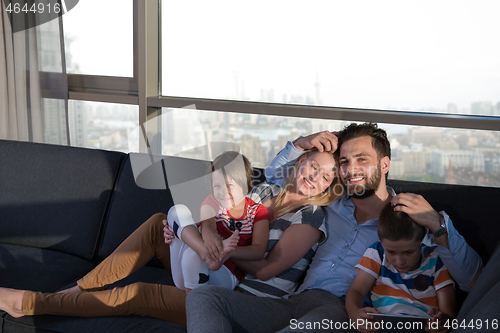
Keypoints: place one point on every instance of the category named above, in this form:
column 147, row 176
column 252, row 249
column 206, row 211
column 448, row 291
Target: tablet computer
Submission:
column 390, row 322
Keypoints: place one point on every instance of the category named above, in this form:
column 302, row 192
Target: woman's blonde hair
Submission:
column 234, row 165
column 328, row 196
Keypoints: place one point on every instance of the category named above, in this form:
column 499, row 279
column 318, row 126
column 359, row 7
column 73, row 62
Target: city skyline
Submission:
column 430, row 154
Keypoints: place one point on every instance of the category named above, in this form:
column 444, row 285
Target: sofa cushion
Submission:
column 482, row 302
column 54, row 196
column 141, row 191
column 23, row 267
column 57, row 324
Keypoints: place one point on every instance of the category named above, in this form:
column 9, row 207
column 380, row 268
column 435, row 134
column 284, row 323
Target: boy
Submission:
column 403, row 276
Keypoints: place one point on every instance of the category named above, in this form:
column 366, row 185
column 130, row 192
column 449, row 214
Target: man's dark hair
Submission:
column 396, row 226
column 379, row 137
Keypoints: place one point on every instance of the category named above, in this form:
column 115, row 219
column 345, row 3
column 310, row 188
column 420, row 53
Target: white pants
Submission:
column 188, row 269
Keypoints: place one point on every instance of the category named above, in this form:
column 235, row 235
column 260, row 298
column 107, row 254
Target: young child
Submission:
column 403, row 276
column 198, row 258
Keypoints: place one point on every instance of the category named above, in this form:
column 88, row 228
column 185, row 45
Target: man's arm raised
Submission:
column 277, row 171
column 323, row 141
column 462, row 261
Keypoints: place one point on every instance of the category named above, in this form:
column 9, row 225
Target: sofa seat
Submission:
column 58, row 268
column 23, row 267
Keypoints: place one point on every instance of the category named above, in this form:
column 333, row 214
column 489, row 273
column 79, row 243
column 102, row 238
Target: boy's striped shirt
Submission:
column 412, row 292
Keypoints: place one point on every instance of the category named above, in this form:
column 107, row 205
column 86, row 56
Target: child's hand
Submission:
column 362, row 314
column 167, row 233
column 441, row 318
column 214, row 247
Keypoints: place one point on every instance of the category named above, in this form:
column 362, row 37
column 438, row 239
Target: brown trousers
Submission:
column 143, row 299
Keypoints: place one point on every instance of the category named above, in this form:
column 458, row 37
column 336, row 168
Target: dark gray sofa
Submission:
column 63, row 209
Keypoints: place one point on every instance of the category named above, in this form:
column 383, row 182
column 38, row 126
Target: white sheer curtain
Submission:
column 33, row 82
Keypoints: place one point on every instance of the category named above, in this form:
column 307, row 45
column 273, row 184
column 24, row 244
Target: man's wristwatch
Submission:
column 441, row 231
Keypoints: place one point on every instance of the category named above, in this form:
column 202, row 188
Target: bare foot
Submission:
column 228, row 245
column 215, row 265
column 72, row 290
column 11, row 301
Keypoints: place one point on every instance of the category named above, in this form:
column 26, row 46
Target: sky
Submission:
column 408, row 55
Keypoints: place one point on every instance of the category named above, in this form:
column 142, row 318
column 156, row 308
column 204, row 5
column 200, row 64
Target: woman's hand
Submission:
column 324, row 141
column 213, row 246
column 167, row 233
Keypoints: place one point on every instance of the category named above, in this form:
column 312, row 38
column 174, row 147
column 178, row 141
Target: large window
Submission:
column 99, row 39
column 102, row 125
column 433, row 56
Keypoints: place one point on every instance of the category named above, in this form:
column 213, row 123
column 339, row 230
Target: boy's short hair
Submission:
column 236, row 166
column 396, row 226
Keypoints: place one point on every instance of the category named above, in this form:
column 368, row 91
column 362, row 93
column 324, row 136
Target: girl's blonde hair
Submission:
column 236, row 166
column 328, row 196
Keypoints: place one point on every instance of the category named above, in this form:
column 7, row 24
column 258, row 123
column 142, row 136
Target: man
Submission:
column 364, row 160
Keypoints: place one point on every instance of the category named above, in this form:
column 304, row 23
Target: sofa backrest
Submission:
column 54, row 196
column 474, row 210
column 150, row 184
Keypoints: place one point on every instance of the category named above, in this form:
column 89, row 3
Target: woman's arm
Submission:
column 276, row 172
column 296, row 240
column 211, row 240
column 191, row 236
column 255, row 251
column 324, row 141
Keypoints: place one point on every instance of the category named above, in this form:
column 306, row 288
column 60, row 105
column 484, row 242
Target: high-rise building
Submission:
column 482, row 108
column 427, row 136
column 413, row 161
column 251, row 147
column 397, row 169
column 452, row 108
column 317, row 89
column 442, row 159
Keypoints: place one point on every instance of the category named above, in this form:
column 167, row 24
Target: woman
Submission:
column 297, row 230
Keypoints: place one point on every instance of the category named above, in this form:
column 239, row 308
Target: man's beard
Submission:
column 360, row 191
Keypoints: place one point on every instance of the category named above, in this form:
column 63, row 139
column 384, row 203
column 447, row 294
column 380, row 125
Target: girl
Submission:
column 240, row 221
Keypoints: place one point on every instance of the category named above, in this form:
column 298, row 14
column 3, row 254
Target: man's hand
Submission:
column 167, row 233
column 324, row 141
column 441, row 318
column 418, row 209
